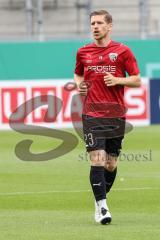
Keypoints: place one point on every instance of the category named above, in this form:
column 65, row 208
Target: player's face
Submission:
column 99, row 27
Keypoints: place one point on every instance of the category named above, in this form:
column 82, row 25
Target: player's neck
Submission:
column 103, row 42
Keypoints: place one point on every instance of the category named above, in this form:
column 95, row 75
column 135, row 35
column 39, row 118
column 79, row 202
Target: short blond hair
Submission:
column 107, row 15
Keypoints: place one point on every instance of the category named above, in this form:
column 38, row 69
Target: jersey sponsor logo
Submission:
column 102, row 69
column 113, row 56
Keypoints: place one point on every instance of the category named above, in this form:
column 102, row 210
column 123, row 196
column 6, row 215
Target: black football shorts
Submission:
column 103, row 133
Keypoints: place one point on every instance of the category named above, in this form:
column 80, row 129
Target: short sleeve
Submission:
column 131, row 66
column 79, row 68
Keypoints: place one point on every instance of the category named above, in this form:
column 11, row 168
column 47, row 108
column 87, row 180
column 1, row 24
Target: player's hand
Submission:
column 110, row 80
column 82, row 88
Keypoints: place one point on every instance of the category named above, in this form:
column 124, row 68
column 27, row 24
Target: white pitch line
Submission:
column 135, row 189
column 73, row 191
column 42, row 192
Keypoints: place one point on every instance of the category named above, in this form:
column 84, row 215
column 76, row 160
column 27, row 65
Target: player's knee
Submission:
column 111, row 167
column 97, row 158
column 111, row 163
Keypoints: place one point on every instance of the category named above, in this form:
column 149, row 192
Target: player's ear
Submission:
column 110, row 25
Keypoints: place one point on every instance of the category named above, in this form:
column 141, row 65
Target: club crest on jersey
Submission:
column 113, row 56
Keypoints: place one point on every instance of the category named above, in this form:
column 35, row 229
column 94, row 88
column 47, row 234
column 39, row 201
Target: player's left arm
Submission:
column 131, row 67
column 131, row 81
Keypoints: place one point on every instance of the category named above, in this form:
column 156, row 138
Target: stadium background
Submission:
column 52, row 200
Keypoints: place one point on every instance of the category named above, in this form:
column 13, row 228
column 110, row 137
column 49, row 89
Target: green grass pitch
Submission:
column 52, row 200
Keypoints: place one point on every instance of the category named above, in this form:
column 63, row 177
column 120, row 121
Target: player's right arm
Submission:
column 81, row 86
column 79, row 75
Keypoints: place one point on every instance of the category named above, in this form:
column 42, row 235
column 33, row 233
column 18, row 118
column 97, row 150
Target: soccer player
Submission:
column 100, row 75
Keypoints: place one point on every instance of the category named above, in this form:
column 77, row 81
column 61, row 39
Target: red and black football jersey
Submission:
column 93, row 62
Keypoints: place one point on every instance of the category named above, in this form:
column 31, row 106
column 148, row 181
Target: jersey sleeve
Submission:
column 79, row 68
column 131, row 66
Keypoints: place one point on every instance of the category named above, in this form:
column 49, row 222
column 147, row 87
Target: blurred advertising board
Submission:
column 155, row 101
column 56, row 111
